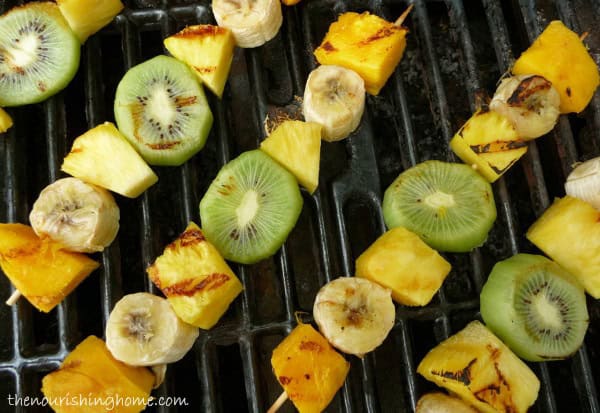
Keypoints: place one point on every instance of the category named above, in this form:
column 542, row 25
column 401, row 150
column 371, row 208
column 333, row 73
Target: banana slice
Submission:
column 334, row 98
column 530, row 102
column 82, row 217
column 354, row 314
column 252, row 22
column 143, row 330
column 584, row 182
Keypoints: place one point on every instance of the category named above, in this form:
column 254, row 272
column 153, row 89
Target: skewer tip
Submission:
column 278, row 403
column 13, row 298
column 404, row 15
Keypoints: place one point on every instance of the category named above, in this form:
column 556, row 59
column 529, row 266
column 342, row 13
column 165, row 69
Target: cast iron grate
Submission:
column 455, row 50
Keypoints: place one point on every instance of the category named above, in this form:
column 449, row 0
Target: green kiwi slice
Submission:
column 250, row 208
column 39, row 54
column 161, row 109
column 449, row 205
column 536, row 307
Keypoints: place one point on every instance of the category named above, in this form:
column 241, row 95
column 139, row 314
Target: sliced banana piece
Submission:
column 143, row 330
column 81, row 216
column 530, row 102
column 334, row 97
column 252, row 22
column 354, row 314
column 584, row 182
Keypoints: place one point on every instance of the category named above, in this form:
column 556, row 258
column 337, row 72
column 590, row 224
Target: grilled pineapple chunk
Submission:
column 309, row 369
column 103, row 157
column 401, row 261
column 6, row 121
column 86, row 17
column 489, row 143
column 559, row 55
column 208, row 50
column 90, row 373
column 39, row 268
column 195, row 279
column 365, row 43
column 297, row 146
column 569, row 233
column 476, row 366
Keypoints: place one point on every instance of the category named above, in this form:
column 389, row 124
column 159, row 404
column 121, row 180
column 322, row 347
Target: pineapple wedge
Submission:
column 559, row 55
column 208, row 50
column 476, row 366
column 365, row 43
column 103, row 157
column 6, row 121
column 91, row 373
column 195, row 279
column 401, row 261
column 297, row 146
column 86, row 17
column 290, row 2
column 39, row 268
column 489, row 143
column 569, row 233
column 309, row 369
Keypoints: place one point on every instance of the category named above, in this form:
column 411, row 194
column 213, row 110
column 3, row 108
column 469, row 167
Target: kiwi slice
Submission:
column 161, row 109
column 250, row 208
column 39, row 54
column 536, row 307
column 449, row 205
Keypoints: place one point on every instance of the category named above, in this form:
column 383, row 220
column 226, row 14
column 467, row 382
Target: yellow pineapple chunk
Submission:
column 86, row 17
column 365, row 43
column 39, row 268
column 195, row 279
column 309, row 369
column 559, row 55
column 489, row 143
column 290, row 2
column 297, row 146
column 91, row 374
column 6, row 121
column 208, row 50
column 401, row 261
column 476, row 366
column 569, row 233
column 103, row 157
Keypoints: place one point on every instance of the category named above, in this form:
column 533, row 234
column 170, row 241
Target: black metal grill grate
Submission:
column 455, row 49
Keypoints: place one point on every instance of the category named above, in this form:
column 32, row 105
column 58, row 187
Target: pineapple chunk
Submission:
column 401, row 261
column 90, row 373
column 39, row 268
column 290, row 2
column 195, row 279
column 6, row 121
column 569, row 233
column 86, row 17
column 208, row 50
column 560, row 56
column 365, row 43
column 476, row 366
column 489, row 143
column 297, row 146
column 103, row 157
column 309, row 369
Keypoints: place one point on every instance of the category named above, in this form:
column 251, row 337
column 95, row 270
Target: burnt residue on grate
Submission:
column 456, row 49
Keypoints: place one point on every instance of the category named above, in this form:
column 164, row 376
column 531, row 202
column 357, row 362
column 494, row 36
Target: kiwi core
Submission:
column 161, row 106
column 547, row 313
column 248, row 208
column 439, row 200
column 25, row 54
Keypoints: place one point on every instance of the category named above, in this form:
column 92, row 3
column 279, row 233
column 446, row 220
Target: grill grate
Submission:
column 455, row 50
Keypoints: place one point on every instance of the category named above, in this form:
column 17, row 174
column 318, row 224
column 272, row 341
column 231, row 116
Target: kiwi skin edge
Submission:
column 499, row 301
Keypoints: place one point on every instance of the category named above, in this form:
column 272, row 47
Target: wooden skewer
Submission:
column 13, row 298
column 278, row 403
column 583, row 36
column 403, row 16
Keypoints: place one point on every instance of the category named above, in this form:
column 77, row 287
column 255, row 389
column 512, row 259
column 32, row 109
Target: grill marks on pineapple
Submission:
column 463, row 375
column 498, row 146
column 188, row 238
column 311, row 346
column 190, row 287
